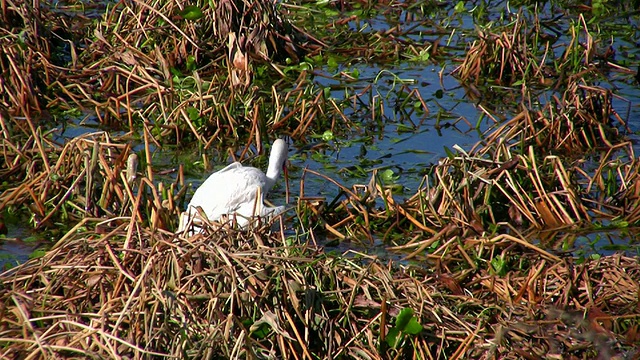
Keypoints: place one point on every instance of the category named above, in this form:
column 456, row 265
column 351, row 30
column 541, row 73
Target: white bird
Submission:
column 238, row 190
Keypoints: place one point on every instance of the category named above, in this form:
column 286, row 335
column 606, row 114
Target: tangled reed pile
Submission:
column 140, row 294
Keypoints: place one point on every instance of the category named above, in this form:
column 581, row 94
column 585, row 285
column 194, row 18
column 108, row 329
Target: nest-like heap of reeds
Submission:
column 129, row 292
column 25, row 51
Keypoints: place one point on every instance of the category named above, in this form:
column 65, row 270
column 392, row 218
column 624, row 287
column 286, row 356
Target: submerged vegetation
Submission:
column 487, row 268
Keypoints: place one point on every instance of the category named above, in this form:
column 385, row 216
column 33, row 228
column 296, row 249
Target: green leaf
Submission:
column 319, row 157
column 332, row 62
column 616, row 247
column 619, row 224
column 37, row 254
column 193, row 113
column 388, row 176
column 393, row 337
column 176, row 73
column 31, row 239
column 191, row 63
column 191, row 12
column 403, row 318
column 413, row 327
column 327, row 92
column 402, row 128
column 449, row 153
column 363, row 151
column 262, row 331
column 327, row 135
column 499, row 265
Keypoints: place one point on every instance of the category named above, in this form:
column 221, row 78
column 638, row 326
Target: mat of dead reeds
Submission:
column 129, row 292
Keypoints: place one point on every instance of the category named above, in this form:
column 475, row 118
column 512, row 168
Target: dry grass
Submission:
column 24, row 53
column 191, row 78
column 128, row 291
column 522, row 54
column 582, row 120
column 510, row 54
column 92, row 175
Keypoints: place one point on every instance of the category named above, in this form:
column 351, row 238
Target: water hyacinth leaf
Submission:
column 191, row 63
column 327, row 136
column 413, row 327
column 393, row 337
column 403, row 318
column 303, row 66
column 620, row 224
column 31, row 239
column 406, row 323
column 38, row 253
column 177, row 74
column 193, row 113
column 327, row 92
column 191, row 12
column 388, row 176
column 320, row 157
column 332, row 62
column 261, row 331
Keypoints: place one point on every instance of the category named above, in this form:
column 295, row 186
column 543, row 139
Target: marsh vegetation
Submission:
column 473, row 254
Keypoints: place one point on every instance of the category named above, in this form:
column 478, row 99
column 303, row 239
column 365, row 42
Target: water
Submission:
column 14, row 249
column 409, row 145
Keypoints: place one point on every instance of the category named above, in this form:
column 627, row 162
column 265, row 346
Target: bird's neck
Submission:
column 272, row 175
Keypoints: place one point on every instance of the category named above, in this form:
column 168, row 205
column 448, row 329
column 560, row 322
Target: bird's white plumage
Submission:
column 238, row 190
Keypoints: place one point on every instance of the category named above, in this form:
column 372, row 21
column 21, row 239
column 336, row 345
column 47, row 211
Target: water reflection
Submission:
column 13, row 249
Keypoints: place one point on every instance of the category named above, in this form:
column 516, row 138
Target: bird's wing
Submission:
column 230, row 167
column 228, row 190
